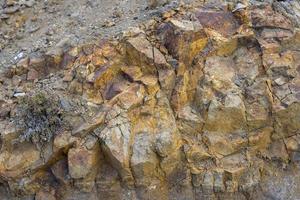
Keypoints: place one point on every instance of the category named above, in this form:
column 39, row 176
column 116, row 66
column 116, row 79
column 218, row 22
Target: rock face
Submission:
column 202, row 104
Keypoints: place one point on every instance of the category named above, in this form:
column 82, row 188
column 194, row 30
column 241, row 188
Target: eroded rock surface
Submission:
column 202, row 103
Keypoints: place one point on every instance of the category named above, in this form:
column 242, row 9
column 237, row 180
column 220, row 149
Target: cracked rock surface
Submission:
column 200, row 102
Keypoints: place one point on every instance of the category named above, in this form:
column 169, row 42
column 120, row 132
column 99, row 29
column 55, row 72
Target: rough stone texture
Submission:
column 204, row 103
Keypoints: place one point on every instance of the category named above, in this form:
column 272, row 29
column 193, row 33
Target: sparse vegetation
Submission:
column 39, row 116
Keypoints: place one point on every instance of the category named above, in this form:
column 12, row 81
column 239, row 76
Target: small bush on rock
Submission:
column 39, row 116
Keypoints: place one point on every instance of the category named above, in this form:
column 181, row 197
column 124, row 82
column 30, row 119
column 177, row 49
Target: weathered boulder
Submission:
column 287, row 121
column 184, row 39
column 226, row 118
column 116, row 144
column 265, row 16
column 222, row 21
column 141, row 52
column 144, row 161
column 83, row 164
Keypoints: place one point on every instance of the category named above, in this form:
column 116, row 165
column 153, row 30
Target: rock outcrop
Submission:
column 202, row 103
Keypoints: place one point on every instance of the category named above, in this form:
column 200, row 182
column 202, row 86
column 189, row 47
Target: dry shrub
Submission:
column 39, row 116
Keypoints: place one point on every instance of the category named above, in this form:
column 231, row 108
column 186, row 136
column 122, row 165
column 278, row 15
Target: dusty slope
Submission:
column 37, row 25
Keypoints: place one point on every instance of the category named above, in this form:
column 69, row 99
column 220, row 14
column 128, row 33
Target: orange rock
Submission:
column 183, row 39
